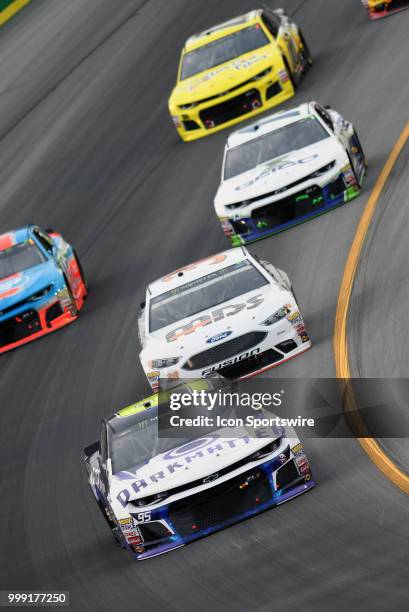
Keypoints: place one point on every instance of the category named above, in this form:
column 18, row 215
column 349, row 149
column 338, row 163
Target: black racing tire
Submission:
column 84, row 280
column 108, row 521
column 74, row 303
column 358, row 183
column 306, row 50
column 361, row 150
column 290, row 74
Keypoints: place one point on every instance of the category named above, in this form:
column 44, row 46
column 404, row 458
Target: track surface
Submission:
column 87, row 148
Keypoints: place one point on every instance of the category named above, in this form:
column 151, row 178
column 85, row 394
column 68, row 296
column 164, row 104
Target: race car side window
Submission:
column 325, row 116
column 103, row 443
column 43, row 240
column 272, row 23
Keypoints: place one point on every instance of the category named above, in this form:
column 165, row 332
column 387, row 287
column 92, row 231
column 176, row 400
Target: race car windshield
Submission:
column 274, row 144
column 204, row 293
column 133, row 441
column 18, row 258
column 222, row 50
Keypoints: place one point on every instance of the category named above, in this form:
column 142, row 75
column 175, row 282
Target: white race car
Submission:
column 229, row 314
column 285, row 169
column 157, row 494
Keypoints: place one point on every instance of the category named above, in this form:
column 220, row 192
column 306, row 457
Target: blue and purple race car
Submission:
column 42, row 286
column 157, row 494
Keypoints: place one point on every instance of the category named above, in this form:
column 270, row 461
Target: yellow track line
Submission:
column 340, row 340
column 11, row 10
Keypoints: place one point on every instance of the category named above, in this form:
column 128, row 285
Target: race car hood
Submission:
column 192, row 461
column 239, row 316
column 220, row 79
column 21, row 286
column 279, row 172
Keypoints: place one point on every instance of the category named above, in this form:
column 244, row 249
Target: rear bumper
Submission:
column 202, row 514
column 278, row 216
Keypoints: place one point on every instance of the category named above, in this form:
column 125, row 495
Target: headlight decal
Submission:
column 278, row 315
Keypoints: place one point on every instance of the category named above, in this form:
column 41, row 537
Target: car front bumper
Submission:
column 226, row 111
column 270, row 484
column 281, row 342
column 34, row 321
column 277, row 216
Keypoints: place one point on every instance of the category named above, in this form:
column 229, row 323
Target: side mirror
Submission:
column 49, row 230
column 328, row 106
column 91, row 450
column 143, row 304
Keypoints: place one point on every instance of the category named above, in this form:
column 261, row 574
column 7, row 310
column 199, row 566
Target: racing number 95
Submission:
column 143, row 517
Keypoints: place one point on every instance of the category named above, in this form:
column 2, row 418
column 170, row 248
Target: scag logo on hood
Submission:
column 216, row 315
column 274, row 167
column 219, row 337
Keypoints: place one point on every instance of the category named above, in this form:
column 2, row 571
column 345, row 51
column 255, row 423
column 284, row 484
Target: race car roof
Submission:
column 13, row 237
column 220, row 30
column 153, row 400
column 196, row 270
column 268, row 124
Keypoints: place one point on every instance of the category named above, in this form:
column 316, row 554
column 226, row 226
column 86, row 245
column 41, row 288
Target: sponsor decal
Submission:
column 153, row 379
column 13, row 285
column 7, row 241
column 277, row 166
column 238, row 64
column 302, row 462
column 126, row 522
column 219, row 337
column 182, row 457
column 186, row 449
column 295, row 318
column 210, row 478
column 283, row 74
column 282, row 457
column 297, row 448
column 217, row 315
column 230, row 362
column 209, row 261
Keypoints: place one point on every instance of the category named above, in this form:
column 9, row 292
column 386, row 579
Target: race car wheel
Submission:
column 78, row 262
column 306, row 50
column 358, row 183
column 290, row 74
column 359, row 146
column 72, row 298
column 113, row 529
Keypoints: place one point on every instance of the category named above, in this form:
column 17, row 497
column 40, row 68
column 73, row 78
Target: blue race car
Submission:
column 42, row 286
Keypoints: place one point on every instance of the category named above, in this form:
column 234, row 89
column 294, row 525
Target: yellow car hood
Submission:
column 221, row 78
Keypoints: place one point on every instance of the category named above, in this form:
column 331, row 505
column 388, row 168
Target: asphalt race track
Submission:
column 87, row 148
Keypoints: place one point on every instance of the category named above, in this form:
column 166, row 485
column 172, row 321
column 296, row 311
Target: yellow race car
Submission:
column 236, row 70
column 382, row 8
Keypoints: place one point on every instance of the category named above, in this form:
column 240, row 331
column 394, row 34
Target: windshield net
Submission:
column 18, row 258
column 274, row 144
column 204, row 293
column 222, row 50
